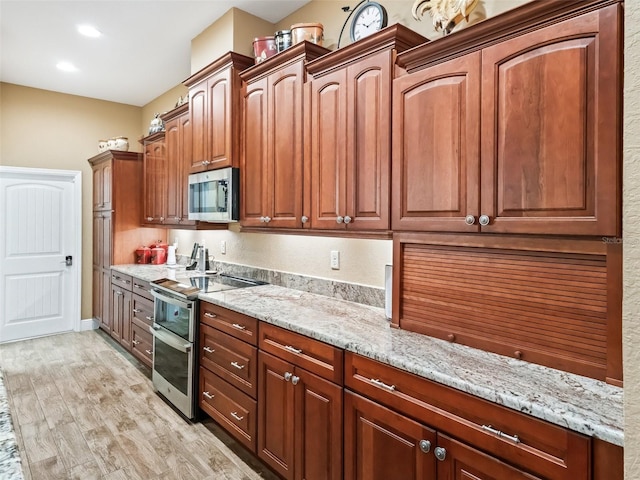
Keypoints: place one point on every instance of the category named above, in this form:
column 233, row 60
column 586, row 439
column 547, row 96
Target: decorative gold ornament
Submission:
column 446, row 14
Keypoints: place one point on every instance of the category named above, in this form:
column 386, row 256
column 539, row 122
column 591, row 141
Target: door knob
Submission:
column 484, row 220
column 347, row 219
column 440, row 453
column 469, row 219
column 340, row 219
column 425, row 446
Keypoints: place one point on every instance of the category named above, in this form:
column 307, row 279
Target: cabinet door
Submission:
column 198, row 105
column 117, row 308
column 98, row 203
column 550, row 138
column 253, row 170
column 106, row 319
column 98, row 242
column 219, row 110
column 275, row 414
column 284, row 157
column 186, row 155
column 107, row 186
column 329, row 133
column 173, row 212
column 106, row 239
column 464, row 462
column 97, row 295
column 318, row 428
column 381, row 444
column 125, row 323
column 368, row 138
column 436, row 115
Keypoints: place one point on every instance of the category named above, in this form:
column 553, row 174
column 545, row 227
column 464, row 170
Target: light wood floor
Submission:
column 82, row 410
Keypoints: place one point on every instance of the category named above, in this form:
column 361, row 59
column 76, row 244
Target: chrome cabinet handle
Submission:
column 149, row 352
column 135, row 342
column 267, row 219
column 261, row 219
column 304, row 219
column 118, row 292
column 469, row 219
column 339, row 219
column 378, row 383
column 162, row 219
column 347, row 219
column 295, row 379
column 210, row 315
column 149, row 219
column 135, row 310
column 484, row 220
column 236, row 416
column 440, row 453
column 425, row 446
column 287, row 376
column 237, row 365
column 137, row 285
column 238, row 326
column 498, row 433
column 208, row 349
column 293, row 349
column 208, row 395
column 149, row 318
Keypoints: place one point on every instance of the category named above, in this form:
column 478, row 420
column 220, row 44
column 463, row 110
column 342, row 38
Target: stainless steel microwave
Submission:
column 214, row 195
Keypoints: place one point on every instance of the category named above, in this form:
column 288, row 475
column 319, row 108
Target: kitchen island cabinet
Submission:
column 272, row 139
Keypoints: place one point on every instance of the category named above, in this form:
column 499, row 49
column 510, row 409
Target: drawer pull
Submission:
column 210, row 315
column 291, row 349
column 118, row 292
column 236, row 416
column 135, row 342
column 135, row 310
column 208, row 395
column 149, row 318
column 498, row 433
column 137, row 285
column 378, row 383
column 208, row 349
column 149, row 352
column 237, row 365
column 238, row 326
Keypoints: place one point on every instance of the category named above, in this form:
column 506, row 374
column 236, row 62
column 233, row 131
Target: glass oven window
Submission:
column 172, row 365
column 174, row 318
column 209, row 196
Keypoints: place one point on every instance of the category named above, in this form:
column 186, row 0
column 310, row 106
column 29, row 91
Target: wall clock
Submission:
column 369, row 18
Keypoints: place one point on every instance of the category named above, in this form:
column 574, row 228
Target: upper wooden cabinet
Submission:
column 521, row 136
column 102, row 175
column 272, row 139
column 156, row 178
column 214, row 104
column 350, row 144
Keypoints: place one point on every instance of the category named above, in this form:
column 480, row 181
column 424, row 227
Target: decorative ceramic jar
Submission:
column 102, row 146
column 263, row 48
column 311, row 32
column 283, row 40
column 111, row 144
column 122, row 143
column 156, row 125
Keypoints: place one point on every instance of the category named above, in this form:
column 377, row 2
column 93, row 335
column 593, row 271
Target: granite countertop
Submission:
column 10, row 463
column 579, row 403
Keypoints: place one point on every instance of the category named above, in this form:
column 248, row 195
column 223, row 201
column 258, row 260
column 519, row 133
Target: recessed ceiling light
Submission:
column 66, row 66
column 89, row 31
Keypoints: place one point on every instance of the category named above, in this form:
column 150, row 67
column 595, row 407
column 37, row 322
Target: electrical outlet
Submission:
column 335, row 259
column 223, row 246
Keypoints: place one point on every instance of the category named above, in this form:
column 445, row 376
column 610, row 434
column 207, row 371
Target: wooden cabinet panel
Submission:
column 121, row 280
column 233, row 323
column 229, row 358
column 121, row 315
column 155, row 182
column 436, row 135
column 550, row 130
column 317, row 357
column 105, row 285
column 198, row 105
column 96, row 295
column 142, row 288
column 381, row 444
column 318, row 433
column 141, row 342
column 141, row 310
column 234, row 410
column 276, row 414
column 97, row 188
column 176, row 180
column 220, row 126
column 186, row 150
column 105, row 238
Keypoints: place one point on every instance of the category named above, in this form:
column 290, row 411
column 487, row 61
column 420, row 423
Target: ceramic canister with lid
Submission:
column 264, row 47
column 283, row 40
column 311, row 32
column 143, row 254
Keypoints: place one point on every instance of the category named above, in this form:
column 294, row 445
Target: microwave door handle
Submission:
column 170, row 340
column 172, row 301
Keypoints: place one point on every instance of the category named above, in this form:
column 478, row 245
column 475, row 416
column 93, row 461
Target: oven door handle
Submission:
column 171, row 341
column 171, row 300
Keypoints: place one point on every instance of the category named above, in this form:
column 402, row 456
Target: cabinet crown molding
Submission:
column 229, row 59
column 114, row 155
column 306, row 51
column 176, row 112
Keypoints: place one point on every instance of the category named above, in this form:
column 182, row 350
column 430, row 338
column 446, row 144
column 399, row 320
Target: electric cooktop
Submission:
column 190, row 287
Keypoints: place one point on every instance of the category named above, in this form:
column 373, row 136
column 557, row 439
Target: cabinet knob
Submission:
column 287, row 376
column 518, row 354
column 162, row 219
column 484, row 220
column 347, row 219
column 304, row 219
column 425, row 446
column 451, row 337
column 440, row 453
column 339, row 219
column 295, row 379
column 261, row 219
column 149, row 219
column 469, row 219
column 267, row 219
column 206, row 162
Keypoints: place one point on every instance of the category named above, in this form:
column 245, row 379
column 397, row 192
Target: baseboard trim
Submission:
column 88, row 324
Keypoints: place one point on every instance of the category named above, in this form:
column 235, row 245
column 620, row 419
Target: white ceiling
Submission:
column 143, row 52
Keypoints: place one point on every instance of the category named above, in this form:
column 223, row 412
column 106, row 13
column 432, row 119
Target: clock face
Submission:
column 369, row 18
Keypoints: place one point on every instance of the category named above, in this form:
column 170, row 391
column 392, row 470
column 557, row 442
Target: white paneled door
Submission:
column 40, row 246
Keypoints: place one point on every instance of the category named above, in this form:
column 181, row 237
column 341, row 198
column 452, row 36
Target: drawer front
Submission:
column 232, row 409
column 320, row 358
column 540, row 447
column 142, row 310
column 141, row 287
column 122, row 280
column 142, row 343
column 229, row 358
column 235, row 324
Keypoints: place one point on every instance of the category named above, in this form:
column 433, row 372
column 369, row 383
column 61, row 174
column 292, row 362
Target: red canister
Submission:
column 143, row 254
column 158, row 256
column 264, row 47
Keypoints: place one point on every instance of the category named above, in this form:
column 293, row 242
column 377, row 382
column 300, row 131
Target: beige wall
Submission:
column 631, row 237
column 165, row 102
column 44, row 129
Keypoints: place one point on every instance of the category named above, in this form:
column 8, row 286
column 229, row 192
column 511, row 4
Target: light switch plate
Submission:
column 223, row 246
column 335, row 259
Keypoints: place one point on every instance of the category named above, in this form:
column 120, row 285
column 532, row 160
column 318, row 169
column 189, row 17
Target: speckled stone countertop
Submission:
column 579, row 403
column 10, row 466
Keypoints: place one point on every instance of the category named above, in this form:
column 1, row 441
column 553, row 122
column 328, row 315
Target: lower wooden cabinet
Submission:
column 121, row 315
column 299, row 421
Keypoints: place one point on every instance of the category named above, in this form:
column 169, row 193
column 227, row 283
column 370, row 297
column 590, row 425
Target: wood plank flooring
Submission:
column 83, row 410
